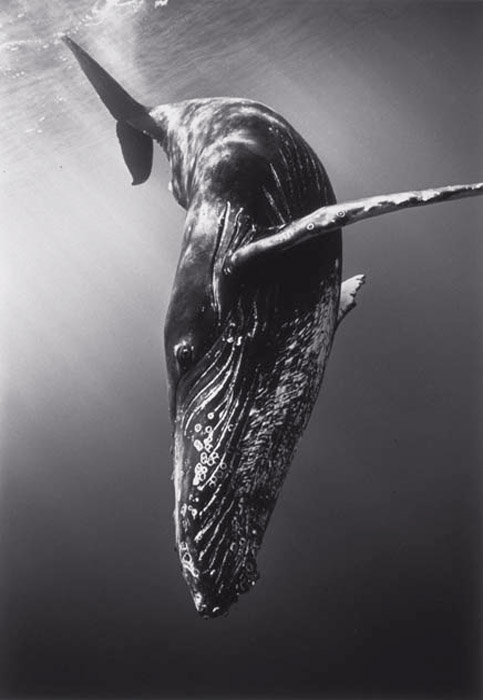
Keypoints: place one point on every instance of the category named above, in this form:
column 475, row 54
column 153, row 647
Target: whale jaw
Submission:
column 239, row 418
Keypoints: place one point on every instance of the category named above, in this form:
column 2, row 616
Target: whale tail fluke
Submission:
column 133, row 118
column 137, row 150
column 120, row 104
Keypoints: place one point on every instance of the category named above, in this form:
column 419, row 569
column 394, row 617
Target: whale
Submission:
column 257, row 298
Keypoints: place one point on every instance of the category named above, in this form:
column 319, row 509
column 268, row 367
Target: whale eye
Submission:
column 184, row 355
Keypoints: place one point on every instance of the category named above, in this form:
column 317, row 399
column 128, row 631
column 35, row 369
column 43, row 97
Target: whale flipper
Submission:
column 327, row 219
column 137, row 149
column 348, row 291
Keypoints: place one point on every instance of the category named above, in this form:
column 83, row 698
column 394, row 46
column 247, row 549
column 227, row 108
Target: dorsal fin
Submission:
column 348, row 292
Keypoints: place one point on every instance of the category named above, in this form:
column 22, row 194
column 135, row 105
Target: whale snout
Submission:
column 212, row 604
column 212, row 600
column 209, row 606
column 208, row 609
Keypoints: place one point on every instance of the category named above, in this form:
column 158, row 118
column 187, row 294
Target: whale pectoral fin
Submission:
column 137, row 149
column 348, row 291
column 332, row 217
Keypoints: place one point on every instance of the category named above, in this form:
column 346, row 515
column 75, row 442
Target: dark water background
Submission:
column 371, row 566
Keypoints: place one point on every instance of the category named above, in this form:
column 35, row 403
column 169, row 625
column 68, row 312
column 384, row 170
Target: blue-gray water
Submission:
column 371, row 566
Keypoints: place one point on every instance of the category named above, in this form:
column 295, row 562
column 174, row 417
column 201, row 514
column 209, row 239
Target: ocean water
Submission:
column 370, row 571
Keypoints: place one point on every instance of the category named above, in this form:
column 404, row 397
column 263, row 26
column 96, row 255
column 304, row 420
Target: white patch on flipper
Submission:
column 348, row 291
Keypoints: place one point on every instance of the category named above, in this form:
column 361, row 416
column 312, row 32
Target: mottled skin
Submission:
column 245, row 353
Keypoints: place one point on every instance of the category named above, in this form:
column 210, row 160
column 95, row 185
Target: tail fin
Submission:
column 132, row 117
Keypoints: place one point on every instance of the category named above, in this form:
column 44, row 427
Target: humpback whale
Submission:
column 256, row 301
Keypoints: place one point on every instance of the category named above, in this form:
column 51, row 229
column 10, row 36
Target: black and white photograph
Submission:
column 241, row 320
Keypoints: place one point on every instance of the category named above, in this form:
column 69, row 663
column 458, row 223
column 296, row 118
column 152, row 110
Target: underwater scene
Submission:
column 370, row 566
